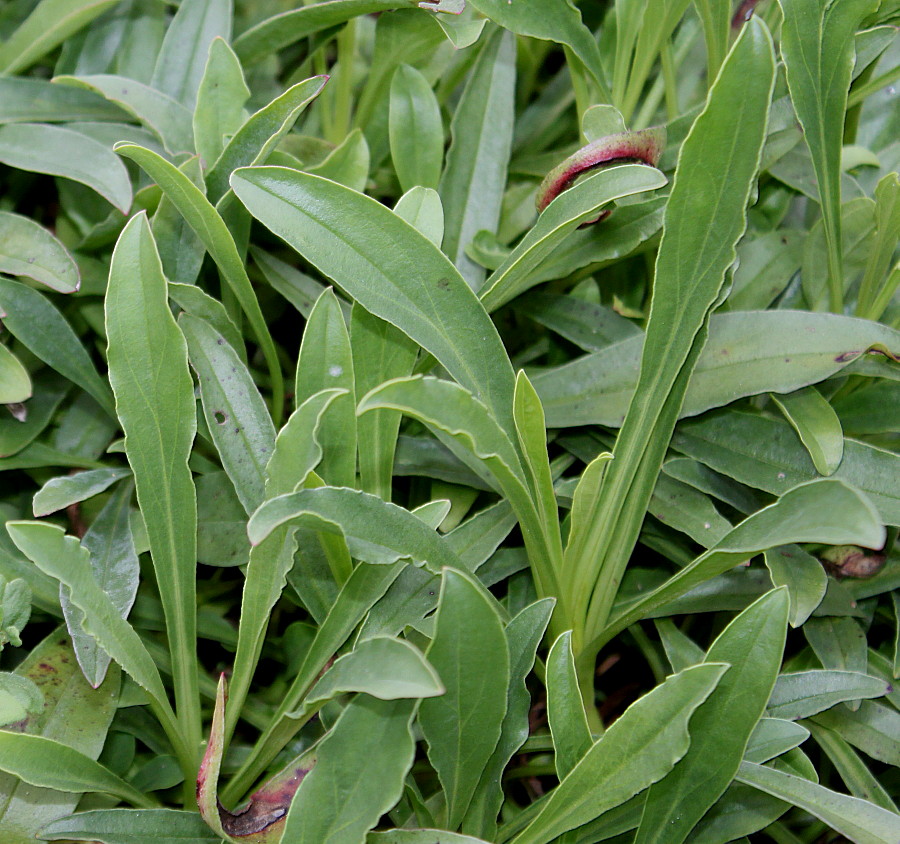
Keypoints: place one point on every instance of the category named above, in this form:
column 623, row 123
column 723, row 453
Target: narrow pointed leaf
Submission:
column 392, row 270
column 57, row 151
column 125, row 826
column 565, row 708
column 462, row 727
column 817, row 425
column 28, row 249
column 638, row 749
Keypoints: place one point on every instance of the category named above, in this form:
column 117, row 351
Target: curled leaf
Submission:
column 642, row 147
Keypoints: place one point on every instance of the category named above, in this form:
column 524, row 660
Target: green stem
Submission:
column 883, row 299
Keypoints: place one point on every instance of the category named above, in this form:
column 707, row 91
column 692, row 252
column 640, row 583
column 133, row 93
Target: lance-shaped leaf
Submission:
column 392, row 270
column 804, row 693
column 752, row 644
column 125, row 826
column 49, row 24
column 211, row 229
column 165, row 117
column 359, row 773
column 182, row 56
column 57, row 151
column 640, row 748
column 114, row 563
column 819, row 511
column 562, row 217
column 279, row 31
column 376, row 530
column 523, row 636
column 705, row 217
column 27, row 100
column 817, row 425
column 220, row 101
column 63, row 558
column 859, row 820
column 28, row 249
column 777, row 460
column 46, row 763
column 553, row 20
column 389, row 669
column 818, row 50
column 253, row 142
column 149, row 374
column 36, row 322
column 472, row 184
column 565, row 709
column 235, row 413
column 462, row 727
column 738, row 360
column 416, row 130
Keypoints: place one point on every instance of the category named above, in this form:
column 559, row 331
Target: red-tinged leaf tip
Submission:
column 642, row 147
column 743, row 14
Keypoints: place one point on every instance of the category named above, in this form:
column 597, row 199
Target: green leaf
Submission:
column 220, row 101
column 420, row 836
column 235, row 413
column 64, row 558
column 35, row 321
column 820, row 511
column 15, row 609
column 873, row 728
column 752, row 644
column 45, row 763
column 716, row 17
column 39, row 101
column 15, row 383
column 381, row 352
column 148, row 370
column 640, row 748
column 253, row 142
column 738, row 360
column 49, row 24
column 30, row 250
column 802, row 574
column 389, row 669
column 818, row 50
column 125, row 826
column 348, row 163
column 472, row 185
column 279, row 31
column 462, row 727
column 861, row 821
column 180, row 250
column 805, row 693
column 416, row 130
column 524, row 633
column 817, row 425
column 211, row 229
column 114, row 563
column 326, row 362
column 167, row 118
column 359, row 775
column 362, row 589
column 194, row 301
column 376, row 530
column 565, row 708
column 73, row 714
column 705, row 217
column 765, row 453
column 182, row 56
column 42, row 148
column 554, row 20
column 772, row 737
column 560, row 219
column 60, row 492
column 389, row 268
